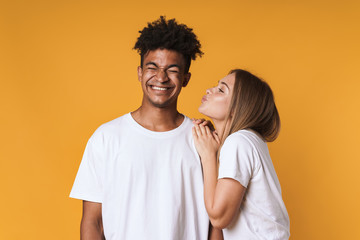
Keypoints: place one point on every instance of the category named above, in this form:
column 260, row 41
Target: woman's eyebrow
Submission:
column 220, row 82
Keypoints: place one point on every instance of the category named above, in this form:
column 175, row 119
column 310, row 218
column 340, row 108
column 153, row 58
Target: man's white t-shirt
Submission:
column 245, row 157
column 149, row 183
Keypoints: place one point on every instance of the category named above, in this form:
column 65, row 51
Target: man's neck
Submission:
column 158, row 119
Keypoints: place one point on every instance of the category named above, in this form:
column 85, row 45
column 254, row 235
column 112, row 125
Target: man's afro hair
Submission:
column 168, row 34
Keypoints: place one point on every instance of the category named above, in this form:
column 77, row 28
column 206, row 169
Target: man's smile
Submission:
column 158, row 88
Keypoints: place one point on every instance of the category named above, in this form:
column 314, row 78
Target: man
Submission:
column 140, row 176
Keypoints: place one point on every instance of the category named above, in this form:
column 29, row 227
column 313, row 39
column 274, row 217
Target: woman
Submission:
column 241, row 190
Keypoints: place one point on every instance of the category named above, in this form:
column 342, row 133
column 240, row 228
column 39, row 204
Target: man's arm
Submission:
column 215, row 234
column 91, row 223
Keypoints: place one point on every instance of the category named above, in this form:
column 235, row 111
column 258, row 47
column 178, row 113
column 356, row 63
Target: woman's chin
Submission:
column 204, row 113
column 201, row 110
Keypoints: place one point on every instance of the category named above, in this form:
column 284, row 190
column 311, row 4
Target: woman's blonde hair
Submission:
column 252, row 106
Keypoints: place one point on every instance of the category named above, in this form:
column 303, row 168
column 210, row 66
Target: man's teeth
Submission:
column 159, row 88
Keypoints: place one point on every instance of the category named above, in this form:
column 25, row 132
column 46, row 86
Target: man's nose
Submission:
column 161, row 75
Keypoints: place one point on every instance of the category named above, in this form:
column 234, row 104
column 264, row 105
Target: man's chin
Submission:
column 162, row 104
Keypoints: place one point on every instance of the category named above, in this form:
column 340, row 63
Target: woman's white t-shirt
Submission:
column 245, row 157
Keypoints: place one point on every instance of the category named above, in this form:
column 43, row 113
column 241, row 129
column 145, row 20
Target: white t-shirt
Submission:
column 149, row 183
column 245, row 157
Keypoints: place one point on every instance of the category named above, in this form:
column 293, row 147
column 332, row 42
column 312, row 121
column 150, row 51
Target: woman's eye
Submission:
column 220, row 90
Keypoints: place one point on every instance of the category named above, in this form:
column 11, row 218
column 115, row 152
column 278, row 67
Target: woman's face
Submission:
column 216, row 102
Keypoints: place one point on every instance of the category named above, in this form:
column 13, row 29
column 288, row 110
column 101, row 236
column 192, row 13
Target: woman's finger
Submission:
column 209, row 124
column 194, row 132
column 198, row 130
column 205, row 122
column 202, row 129
column 208, row 131
column 197, row 120
column 216, row 136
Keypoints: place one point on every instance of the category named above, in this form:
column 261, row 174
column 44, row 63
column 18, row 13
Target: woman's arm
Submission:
column 222, row 197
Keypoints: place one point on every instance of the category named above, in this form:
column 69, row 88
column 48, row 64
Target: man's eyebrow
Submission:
column 151, row 63
column 174, row 65
column 170, row 66
column 224, row 84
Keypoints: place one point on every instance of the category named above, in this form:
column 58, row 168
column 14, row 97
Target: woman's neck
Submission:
column 220, row 126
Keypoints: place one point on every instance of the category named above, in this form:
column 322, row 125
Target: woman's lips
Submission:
column 204, row 99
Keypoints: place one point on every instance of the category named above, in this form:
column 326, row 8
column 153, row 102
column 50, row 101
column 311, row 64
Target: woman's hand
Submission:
column 204, row 122
column 207, row 142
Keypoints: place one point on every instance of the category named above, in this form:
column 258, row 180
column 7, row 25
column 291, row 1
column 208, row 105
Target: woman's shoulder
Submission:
column 243, row 136
column 239, row 148
column 237, row 139
column 243, row 139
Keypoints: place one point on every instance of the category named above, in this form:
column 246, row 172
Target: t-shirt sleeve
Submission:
column 236, row 159
column 88, row 181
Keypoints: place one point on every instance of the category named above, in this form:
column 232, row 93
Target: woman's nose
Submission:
column 208, row 91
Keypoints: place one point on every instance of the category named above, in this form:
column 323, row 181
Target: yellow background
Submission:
column 68, row 66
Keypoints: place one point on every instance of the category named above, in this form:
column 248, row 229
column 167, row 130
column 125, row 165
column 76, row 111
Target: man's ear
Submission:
column 139, row 72
column 186, row 79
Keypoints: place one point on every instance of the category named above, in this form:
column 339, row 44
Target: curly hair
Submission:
column 168, row 34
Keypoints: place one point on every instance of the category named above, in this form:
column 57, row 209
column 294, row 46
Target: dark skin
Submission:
column 91, row 227
column 215, row 234
column 161, row 69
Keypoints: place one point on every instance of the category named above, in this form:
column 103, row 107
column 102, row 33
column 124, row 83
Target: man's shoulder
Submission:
column 116, row 122
column 187, row 120
column 186, row 126
column 113, row 126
